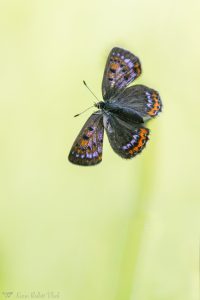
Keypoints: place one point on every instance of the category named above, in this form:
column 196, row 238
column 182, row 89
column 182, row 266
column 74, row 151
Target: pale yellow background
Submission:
column 123, row 230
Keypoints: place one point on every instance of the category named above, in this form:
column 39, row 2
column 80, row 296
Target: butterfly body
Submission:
column 122, row 113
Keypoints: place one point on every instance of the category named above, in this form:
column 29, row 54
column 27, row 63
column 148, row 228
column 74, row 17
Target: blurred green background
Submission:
column 123, row 229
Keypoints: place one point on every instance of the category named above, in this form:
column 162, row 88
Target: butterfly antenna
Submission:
column 90, row 90
column 83, row 111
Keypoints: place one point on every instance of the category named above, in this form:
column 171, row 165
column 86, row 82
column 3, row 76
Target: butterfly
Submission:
column 122, row 113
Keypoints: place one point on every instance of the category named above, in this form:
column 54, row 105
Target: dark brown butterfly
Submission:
column 122, row 113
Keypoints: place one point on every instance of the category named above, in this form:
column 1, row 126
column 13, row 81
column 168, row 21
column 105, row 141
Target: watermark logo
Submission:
column 51, row 295
column 7, row 294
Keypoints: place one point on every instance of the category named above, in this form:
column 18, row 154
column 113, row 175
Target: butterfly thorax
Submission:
column 100, row 105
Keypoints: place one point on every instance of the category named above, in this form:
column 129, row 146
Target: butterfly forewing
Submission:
column 122, row 68
column 88, row 146
column 126, row 139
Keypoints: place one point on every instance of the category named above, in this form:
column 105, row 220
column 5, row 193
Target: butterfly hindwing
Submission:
column 122, row 67
column 126, row 139
column 140, row 100
column 88, row 146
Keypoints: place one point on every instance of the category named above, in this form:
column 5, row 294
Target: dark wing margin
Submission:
column 127, row 140
column 144, row 101
column 88, row 146
column 122, row 67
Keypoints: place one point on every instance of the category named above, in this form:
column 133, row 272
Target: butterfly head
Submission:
column 100, row 105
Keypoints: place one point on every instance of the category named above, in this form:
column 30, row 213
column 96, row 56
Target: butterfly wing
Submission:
column 126, row 139
column 138, row 100
column 87, row 148
column 122, row 67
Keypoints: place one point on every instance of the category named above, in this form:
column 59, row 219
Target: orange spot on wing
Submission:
column 114, row 66
column 142, row 140
column 84, row 143
column 138, row 71
column 156, row 104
